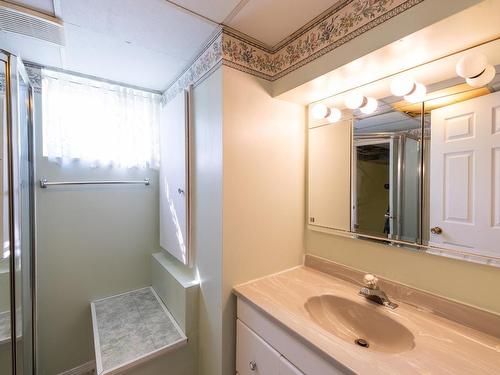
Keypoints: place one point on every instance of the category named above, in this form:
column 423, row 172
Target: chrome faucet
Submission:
column 372, row 292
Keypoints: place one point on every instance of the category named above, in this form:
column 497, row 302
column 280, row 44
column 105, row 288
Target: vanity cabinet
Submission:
column 286, row 368
column 264, row 347
column 255, row 356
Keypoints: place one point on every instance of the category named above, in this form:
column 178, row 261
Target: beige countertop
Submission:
column 441, row 346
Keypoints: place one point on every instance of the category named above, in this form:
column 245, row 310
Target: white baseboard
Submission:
column 85, row 369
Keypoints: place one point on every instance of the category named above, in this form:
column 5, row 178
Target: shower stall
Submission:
column 17, row 251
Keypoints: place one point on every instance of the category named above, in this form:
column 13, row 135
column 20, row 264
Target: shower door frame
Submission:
column 15, row 68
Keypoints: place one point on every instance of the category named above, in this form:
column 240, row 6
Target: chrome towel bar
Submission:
column 44, row 183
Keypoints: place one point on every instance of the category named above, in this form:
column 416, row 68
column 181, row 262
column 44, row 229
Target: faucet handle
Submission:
column 370, row 281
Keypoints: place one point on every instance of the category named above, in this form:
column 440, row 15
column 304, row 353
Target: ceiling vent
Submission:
column 24, row 21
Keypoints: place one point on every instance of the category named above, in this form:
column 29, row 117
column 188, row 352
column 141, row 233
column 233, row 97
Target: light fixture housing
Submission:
column 320, row 111
column 484, row 78
column 471, row 65
column 370, row 106
column 418, row 95
column 402, row 86
column 355, row 100
column 335, row 115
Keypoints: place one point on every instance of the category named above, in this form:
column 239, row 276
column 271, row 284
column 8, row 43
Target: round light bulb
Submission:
column 471, row 65
column 418, row 95
column 320, row 111
column 335, row 115
column 402, row 86
column 355, row 100
column 370, row 106
column 484, row 78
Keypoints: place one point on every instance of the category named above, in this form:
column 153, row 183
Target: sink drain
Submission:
column 362, row 342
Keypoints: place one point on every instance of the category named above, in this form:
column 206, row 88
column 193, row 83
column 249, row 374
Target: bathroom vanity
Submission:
column 311, row 320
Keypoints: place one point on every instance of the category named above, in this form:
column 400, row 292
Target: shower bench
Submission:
column 132, row 328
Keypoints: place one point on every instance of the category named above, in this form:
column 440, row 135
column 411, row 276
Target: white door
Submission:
column 330, row 175
column 465, row 176
column 174, row 194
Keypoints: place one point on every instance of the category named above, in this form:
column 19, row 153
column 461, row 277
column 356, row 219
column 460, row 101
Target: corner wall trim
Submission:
column 344, row 22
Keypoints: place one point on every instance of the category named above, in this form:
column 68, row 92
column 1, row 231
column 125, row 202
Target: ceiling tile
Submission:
column 31, row 49
column 216, row 10
column 146, row 43
column 155, row 24
column 106, row 56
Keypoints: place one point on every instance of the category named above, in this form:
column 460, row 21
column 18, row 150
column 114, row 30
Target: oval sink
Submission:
column 363, row 324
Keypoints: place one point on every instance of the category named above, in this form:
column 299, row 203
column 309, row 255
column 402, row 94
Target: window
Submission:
column 99, row 123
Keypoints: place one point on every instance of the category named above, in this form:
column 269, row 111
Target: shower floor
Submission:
column 131, row 328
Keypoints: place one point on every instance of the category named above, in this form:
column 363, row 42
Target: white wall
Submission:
column 248, row 199
column 206, row 190
column 92, row 242
column 263, row 207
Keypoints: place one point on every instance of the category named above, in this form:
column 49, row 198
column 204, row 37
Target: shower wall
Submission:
column 93, row 242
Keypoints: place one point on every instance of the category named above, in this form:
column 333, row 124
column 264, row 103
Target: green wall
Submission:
column 372, row 197
column 93, row 242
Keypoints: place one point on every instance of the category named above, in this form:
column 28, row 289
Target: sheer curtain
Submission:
column 99, row 123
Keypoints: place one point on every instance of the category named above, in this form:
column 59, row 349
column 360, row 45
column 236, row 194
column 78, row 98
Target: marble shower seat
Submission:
column 131, row 328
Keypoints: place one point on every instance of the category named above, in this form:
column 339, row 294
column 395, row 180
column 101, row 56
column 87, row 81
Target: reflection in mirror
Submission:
column 425, row 158
column 386, row 181
column 462, row 157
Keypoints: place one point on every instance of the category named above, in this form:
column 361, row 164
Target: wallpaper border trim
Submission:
column 342, row 23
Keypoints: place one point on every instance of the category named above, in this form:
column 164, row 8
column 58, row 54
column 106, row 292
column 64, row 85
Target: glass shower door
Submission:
column 5, row 300
column 18, row 218
column 24, row 239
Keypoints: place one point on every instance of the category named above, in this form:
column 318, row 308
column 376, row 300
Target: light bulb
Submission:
column 418, row 95
column 355, row 100
column 402, row 86
column 370, row 106
column 335, row 115
column 470, row 66
column 484, row 78
column 320, row 111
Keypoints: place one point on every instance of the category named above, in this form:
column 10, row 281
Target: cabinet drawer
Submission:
column 286, row 368
column 254, row 355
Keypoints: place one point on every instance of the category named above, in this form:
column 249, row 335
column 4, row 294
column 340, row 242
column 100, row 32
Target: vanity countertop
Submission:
column 441, row 346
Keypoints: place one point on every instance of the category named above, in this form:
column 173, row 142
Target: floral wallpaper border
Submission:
column 346, row 21
column 34, row 75
column 207, row 61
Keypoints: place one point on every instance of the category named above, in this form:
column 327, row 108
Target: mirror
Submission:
column 423, row 173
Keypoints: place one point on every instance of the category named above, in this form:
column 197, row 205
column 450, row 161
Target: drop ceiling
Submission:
column 148, row 43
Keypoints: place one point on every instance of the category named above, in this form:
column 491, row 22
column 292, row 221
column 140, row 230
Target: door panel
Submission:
column 253, row 355
column 465, row 175
column 459, row 187
column 496, row 187
column 174, row 194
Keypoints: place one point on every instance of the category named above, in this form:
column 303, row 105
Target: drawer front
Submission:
column 253, row 355
column 286, row 368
